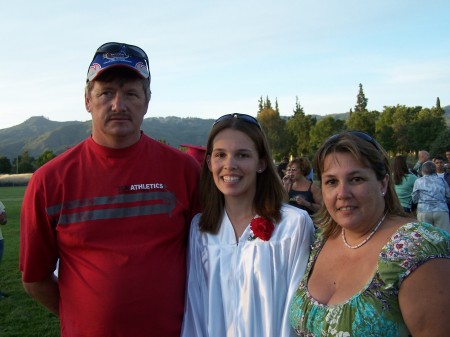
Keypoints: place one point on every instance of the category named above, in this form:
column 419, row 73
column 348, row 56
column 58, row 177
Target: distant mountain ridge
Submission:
column 38, row 134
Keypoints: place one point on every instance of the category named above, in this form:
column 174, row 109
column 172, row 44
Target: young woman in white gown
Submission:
column 248, row 249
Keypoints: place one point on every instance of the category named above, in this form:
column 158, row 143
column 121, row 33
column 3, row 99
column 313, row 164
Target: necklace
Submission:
column 366, row 239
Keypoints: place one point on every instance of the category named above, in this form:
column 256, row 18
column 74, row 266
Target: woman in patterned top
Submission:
column 372, row 270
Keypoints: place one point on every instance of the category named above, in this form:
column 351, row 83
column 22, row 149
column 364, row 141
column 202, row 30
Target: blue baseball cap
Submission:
column 116, row 54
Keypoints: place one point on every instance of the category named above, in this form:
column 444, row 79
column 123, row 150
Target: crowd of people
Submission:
column 152, row 242
column 424, row 190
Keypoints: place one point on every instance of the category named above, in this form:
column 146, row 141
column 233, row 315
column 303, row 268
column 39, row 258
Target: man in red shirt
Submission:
column 115, row 210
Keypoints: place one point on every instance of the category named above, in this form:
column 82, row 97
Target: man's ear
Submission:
column 87, row 102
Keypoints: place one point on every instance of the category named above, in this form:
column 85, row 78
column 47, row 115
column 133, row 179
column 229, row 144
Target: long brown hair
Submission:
column 369, row 153
column 270, row 193
column 400, row 169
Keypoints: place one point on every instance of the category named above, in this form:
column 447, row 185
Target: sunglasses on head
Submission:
column 360, row 135
column 244, row 117
column 115, row 47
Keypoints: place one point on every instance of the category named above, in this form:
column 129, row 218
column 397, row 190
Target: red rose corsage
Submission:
column 261, row 228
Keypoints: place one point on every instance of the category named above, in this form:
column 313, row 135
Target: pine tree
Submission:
column 267, row 104
column 298, row 108
column 260, row 104
column 438, row 103
column 361, row 100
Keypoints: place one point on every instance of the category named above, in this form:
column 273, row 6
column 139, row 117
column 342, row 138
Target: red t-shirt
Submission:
column 118, row 221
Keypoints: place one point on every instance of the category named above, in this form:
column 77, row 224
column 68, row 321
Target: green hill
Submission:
column 38, row 134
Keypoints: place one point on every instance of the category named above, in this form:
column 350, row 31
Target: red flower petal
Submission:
column 262, row 228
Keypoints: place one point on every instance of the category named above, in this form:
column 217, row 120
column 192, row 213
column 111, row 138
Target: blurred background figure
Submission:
column 303, row 193
column 281, row 168
column 431, row 193
column 442, row 172
column 440, row 169
column 447, row 164
column 404, row 182
column 196, row 151
column 423, row 157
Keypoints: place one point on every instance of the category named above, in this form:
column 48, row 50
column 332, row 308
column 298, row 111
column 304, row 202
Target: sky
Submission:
column 209, row 58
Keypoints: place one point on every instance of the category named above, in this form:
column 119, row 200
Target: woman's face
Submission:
column 351, row 192
column 234, row 164
column 293, row 171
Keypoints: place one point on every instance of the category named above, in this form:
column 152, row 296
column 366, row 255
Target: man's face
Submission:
column 439, row 165
column 118, row 109
column 447, row 154
column 423, row 157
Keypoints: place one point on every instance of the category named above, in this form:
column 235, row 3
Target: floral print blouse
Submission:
column 374, row 311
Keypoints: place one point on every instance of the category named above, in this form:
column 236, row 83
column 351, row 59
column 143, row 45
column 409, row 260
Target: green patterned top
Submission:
column 374, row 311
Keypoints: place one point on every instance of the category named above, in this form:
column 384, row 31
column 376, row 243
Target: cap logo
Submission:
column 121, row 55
column 95, row 67
column 116, row 56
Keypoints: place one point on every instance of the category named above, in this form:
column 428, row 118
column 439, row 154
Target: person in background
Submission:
column 443, row 173
column 372, row 270
column 310, row 175
column 423, row 157
column 440, row 169
column 115, row 209
column 3, row 221
column 447, row 164
column 196, row 151
column 281, row 168
column 247, row 249
column 404, row 183
column 432, row 193
column 303, row 193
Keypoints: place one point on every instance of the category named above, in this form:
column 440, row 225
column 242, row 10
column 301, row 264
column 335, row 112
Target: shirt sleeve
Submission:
column 194, row 322
column 300, row 248
column 38, row 246
column 410, row 247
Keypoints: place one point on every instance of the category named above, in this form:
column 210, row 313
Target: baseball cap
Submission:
column 117, row 54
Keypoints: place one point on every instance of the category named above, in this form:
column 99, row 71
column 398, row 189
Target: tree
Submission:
column 361, row 119
column 24, row 163
column 441, row 143
column 273, row 127
column 298, row 127
column 45, row 157
column 5, row 165
column 324, row 129
column 267, row 103
column 393, row 128
column 260, row 104
column 429, row 124
column 361, row 100
column 438, row 103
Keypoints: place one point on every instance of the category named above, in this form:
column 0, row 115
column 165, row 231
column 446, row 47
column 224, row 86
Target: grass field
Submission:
column 20, row 316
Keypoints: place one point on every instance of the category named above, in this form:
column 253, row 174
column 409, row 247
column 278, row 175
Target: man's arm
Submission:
column 3, row 218
column 45, row 292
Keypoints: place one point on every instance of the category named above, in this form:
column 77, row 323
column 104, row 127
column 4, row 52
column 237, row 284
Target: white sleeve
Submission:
column 302, row 240
column 194, row 321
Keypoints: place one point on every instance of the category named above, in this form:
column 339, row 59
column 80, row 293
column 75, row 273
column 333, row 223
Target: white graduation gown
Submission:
column 243, row 289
